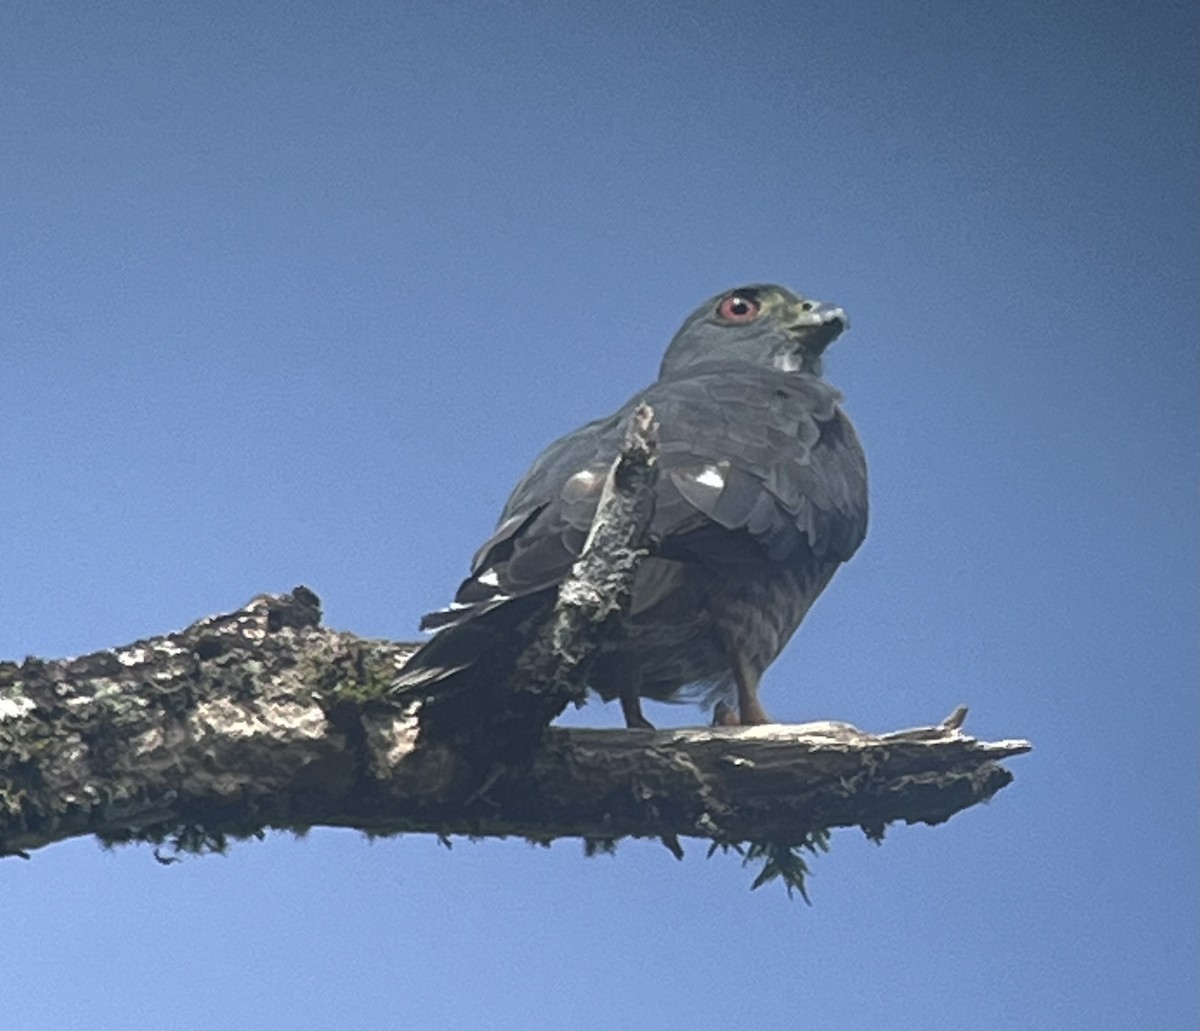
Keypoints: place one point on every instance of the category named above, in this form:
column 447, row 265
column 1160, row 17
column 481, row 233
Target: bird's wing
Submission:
column 741, row 449
column 765, row 453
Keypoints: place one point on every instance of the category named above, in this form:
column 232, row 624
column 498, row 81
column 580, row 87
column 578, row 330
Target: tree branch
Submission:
column 261, row 718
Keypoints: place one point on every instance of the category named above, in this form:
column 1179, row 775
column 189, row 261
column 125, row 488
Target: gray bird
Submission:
column 761, row 495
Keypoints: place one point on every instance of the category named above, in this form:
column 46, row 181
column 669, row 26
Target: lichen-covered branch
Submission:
column 597, row 594
column 261, row 718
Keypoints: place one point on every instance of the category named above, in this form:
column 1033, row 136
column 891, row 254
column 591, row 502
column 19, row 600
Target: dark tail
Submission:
column 478, row 644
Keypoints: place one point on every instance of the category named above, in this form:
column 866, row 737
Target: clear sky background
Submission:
column 293, row 292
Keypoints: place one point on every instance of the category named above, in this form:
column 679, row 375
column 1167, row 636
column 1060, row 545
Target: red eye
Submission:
column 738, row 308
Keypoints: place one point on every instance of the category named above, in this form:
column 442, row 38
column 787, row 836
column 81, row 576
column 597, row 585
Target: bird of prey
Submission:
column 761, row 495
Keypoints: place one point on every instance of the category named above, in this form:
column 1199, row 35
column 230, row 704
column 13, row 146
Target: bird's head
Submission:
column 764, row 325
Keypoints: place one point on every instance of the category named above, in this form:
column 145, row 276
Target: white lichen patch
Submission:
column 282, row 720
column 149, row 654
column 134, row 656
column 15, row 708
column 391, row 741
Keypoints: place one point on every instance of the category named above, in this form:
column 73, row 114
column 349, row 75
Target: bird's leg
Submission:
column 750, row 710
column 724, row 716
column 631, row 706
column 617, row 674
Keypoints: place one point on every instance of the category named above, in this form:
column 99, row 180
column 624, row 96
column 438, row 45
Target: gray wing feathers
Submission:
column 740, row 449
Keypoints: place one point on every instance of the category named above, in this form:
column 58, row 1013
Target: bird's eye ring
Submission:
column 738, row 308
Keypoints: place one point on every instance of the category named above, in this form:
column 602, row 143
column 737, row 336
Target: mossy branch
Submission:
column 261, row 718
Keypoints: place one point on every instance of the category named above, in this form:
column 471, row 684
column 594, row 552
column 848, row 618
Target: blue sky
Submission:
column 292, row 293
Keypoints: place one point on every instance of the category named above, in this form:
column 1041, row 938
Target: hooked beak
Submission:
column 816, row 325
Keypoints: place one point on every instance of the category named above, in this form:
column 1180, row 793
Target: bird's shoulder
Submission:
column 741, row 448
column 700, row 415
column 766, row 452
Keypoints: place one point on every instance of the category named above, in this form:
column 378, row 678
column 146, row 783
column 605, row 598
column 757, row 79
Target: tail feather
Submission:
column 477, row 643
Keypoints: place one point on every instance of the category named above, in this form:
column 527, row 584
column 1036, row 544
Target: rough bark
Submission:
column 262, row 718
